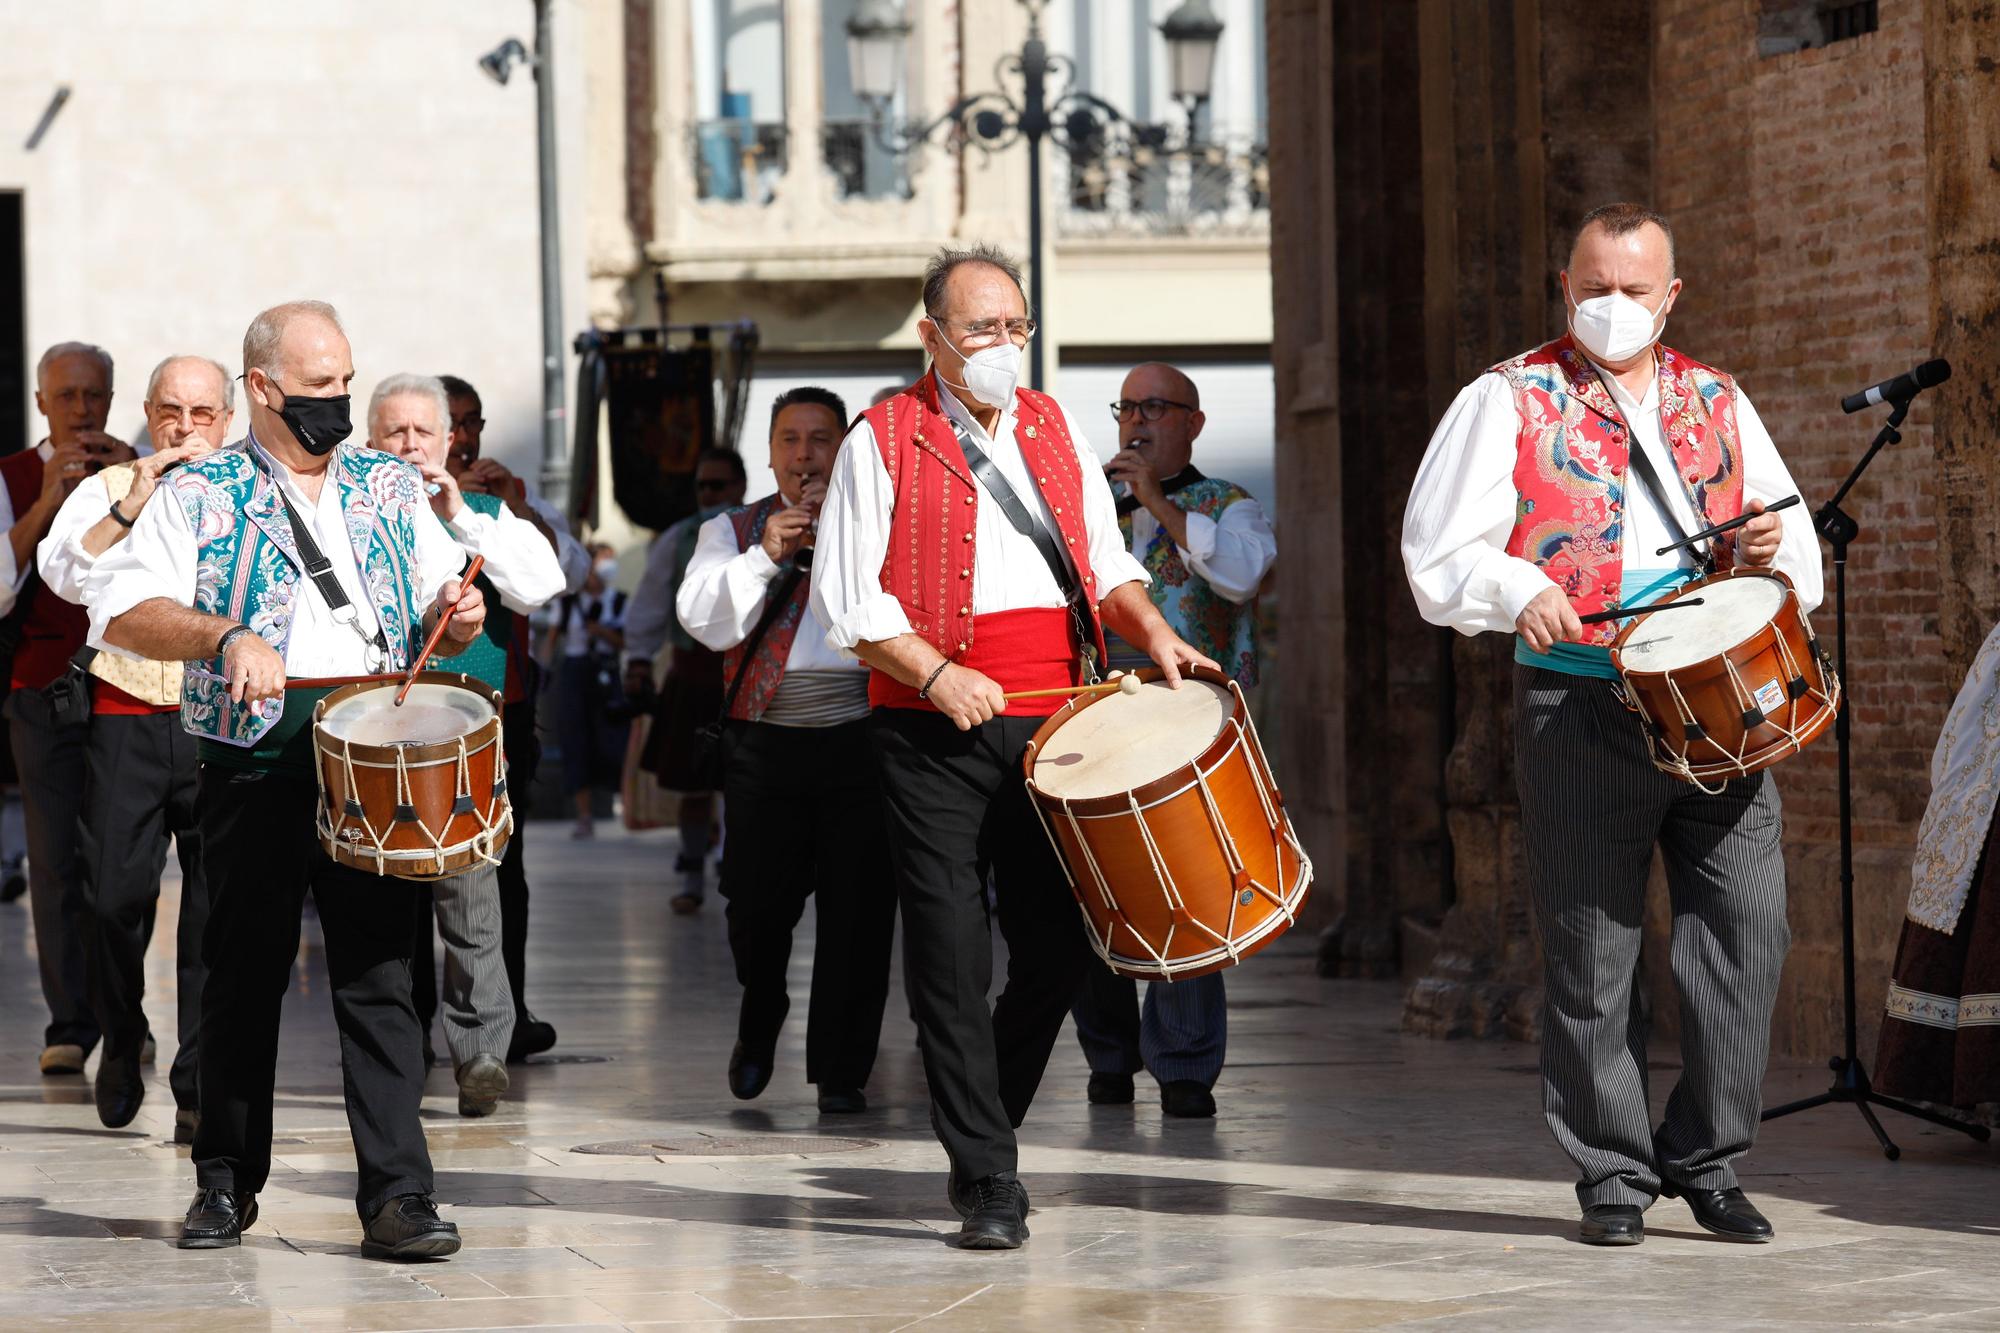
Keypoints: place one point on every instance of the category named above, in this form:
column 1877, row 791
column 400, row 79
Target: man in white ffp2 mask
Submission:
column 1530, row 511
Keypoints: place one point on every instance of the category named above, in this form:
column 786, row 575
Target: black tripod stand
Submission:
column 1850, row 1078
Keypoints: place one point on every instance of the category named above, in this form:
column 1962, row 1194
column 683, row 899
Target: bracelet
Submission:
column 123, row 522
column 230, row 636
column 925, row 692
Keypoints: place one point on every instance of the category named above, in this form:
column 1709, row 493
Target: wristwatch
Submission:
column 230, row 636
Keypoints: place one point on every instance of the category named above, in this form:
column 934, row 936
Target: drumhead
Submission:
column 1124, row 741
column 1732, row 610
column 432, row 713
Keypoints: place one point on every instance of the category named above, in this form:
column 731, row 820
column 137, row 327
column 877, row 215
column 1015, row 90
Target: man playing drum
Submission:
column 1524, row 517
column 968, row 546
column 288, row 555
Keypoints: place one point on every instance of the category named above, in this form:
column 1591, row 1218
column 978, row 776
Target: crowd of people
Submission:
column 821, row 670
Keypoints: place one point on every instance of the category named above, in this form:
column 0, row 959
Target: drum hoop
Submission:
column 1154, row 790
column 1694, row 586
column 412, row 754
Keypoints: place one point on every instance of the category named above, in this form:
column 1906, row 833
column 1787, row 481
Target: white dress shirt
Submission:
column 158, row 558
column 722, row 598
column 63, row 581
column 650, row 622
column 1462, row 508
column 1008, row 572
column 520, row 563
column 1231, row 554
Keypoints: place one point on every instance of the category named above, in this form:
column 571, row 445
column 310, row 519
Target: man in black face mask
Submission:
column 291, row 554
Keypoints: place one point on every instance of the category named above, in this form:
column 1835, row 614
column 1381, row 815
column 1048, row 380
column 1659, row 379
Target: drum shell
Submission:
column 1728, row 748
column 377, row 842
column 1106, row 854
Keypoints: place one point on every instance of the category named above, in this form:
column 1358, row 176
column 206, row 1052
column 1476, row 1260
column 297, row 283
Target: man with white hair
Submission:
column 410, row 416
column 292, row 554
column 73, row 390
column 140, row 767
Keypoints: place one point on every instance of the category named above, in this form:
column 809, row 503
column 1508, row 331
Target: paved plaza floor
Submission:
column 1356, row 1178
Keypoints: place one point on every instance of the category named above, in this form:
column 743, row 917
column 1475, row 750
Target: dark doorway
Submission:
column 13, row 327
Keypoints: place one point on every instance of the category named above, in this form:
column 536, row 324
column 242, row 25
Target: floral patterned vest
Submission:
column 1570, row 466
column 767, row 668
column 1218, row 627
column 250, row 570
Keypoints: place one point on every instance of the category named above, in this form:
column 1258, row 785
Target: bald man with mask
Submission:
column 140, row 775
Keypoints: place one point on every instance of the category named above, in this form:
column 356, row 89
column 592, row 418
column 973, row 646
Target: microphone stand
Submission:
column 1850, row 1077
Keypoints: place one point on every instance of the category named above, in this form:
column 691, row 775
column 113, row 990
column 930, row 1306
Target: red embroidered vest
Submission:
column 932, row 531
column 50, row 628
column 767, row 666
column 1570, row 466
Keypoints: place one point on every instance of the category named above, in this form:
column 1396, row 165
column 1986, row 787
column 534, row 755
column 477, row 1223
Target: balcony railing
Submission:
column 1219, row 188
column 738, row 161
column 861, row 166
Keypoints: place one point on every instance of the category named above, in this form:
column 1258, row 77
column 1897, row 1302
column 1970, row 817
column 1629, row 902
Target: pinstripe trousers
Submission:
column 1179, row 1034
column 1593, row 807
column 478, row 1003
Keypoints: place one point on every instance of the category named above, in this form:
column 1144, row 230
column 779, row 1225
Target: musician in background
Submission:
column 1207, row 545
column 800, row 797
column 586, row 637
column 1524, row 517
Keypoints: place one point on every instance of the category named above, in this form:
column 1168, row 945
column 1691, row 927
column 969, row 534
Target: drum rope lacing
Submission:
column 481, row 843
column 1676, row 762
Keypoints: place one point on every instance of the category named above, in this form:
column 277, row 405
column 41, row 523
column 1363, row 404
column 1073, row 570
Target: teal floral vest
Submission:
column 1216, row 626
column 485, row 658
column 249, row 568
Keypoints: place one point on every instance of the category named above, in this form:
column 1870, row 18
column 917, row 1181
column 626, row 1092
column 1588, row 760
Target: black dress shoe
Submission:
column 119, row 1089
column 217, row 1219
column 531, row 1037
column 749, row 1072
column 1110, row 1090
column 999, row 1216
column 1724, row 1212
column 842, row 1101
column 1612, row 1224
column 1188, row 1099
column 408, row 1227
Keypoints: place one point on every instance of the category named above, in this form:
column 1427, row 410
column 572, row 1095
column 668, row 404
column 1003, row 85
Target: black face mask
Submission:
column 318, row 424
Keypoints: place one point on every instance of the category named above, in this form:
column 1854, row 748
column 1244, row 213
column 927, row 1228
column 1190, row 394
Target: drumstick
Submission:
column 1721, row 528
column 1127, row 684
column 1620, row 613
column 437, row 630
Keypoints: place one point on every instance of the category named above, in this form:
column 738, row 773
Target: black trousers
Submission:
column 50, row 761
column 804, row 816
column 141, row 786
column 957, row 809
column 262, row 855
column 523, row 749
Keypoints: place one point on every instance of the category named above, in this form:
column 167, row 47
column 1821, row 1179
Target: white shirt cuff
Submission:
column 470, row 526
column 1523, row 584
column 759, row 562
column 1200, row 537
column 875, row 619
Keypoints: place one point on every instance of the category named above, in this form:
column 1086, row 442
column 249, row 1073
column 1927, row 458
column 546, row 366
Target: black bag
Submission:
column 706, row 761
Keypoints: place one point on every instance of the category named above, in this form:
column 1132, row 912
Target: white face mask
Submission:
column 1615, row 328
column 991, row 374
column 607, row 572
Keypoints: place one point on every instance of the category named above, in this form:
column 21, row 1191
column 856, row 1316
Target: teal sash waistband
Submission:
column 1639, row 587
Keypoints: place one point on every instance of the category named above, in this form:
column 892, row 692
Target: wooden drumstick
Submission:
column 437, row 630
column 1127, row 684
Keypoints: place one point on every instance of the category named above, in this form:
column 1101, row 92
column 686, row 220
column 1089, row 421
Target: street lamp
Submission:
column 497, row 64
column 1077, row 121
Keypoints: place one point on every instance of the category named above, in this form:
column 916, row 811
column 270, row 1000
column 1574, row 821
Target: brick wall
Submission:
column 1797, row 188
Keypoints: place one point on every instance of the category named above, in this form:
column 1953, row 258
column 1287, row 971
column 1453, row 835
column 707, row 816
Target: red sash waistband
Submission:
column 1022, row 650
column 109, row 699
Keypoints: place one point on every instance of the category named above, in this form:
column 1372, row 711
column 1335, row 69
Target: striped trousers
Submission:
column 478, row 1003
column 1593, row 807
column 1178, row 1035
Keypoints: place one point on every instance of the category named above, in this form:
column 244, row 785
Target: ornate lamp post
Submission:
column 1048, row 107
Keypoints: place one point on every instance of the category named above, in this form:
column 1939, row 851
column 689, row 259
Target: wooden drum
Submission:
column 419, row 792
column 1164, row 812
column 1731, row 686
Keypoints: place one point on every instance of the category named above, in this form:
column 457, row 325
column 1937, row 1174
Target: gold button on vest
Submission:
column 151, row 682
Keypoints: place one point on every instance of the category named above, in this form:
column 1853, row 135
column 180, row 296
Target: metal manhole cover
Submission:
column 703, row 1145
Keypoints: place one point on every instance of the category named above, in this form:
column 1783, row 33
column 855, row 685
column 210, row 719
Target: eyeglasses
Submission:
column 468, row 423
column 200, row 416
column 983, row 333
column 1149, row 409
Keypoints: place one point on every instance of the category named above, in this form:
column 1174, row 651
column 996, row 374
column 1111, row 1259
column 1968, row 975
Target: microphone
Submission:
column 1900, row 389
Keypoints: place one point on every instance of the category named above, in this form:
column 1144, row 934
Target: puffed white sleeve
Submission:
column 1232, row 553
column 156, row 559
column 1461, row 512
column 722, row 594
column 520, row 563
column 63, row 562
column 850, row 543
column 1110, row 560
column 1766, row 478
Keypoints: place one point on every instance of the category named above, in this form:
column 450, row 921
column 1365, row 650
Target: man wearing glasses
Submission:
column 968, row 547
column 140, row 768
column 1207, row 544
column 478, row 475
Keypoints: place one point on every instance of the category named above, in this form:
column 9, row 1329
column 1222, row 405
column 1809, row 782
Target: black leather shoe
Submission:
column 408, row 1227
column 1110, row 1090
column 1187, row 1099
column 119, row 1089
column 1726, row 1213
column 999, row 1216
column 1612, row 1224
column 217, row 1219
column 531, row 1037
column 749, row 1072
column 842, row 1101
